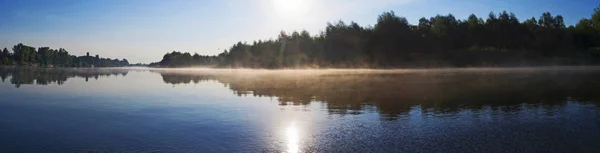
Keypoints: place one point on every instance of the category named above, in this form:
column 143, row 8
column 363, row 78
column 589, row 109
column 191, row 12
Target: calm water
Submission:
column 202, row 110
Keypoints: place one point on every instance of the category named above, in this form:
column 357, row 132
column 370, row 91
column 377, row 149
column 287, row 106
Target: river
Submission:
column 550, row 109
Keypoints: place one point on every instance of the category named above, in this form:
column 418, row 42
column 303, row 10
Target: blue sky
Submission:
column 144, row 30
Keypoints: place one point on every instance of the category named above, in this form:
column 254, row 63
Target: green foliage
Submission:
column 23, row 54
column 596, row 18
column 47, row 57
column 5, row 57
column 442, row 40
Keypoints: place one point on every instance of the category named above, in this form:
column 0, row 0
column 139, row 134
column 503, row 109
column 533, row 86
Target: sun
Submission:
column 290, row 8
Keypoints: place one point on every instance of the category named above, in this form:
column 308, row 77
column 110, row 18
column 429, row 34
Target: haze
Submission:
column 144, row 30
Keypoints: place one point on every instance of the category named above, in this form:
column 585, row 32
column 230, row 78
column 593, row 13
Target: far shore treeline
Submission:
column 23, row 55
column 440, row 41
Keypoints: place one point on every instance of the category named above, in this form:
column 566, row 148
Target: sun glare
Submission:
column 291, row 134
column 291, row 8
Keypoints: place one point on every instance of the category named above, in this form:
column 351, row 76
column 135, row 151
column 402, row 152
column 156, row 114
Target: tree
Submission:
column 44, row 55
column 391, row 39
column 442, row 40
column 596, row 18
column 5, row 57
column 5, row 52
column 548, row 21
column 24, row 54
column 531, row 23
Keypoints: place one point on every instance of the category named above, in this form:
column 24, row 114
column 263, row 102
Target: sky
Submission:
column 144, row 30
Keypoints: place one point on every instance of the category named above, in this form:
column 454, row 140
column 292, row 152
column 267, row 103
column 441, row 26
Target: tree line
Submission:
column 440, row 41
column 23, row 55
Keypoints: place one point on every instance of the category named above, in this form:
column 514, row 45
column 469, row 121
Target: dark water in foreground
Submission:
column 147, row 110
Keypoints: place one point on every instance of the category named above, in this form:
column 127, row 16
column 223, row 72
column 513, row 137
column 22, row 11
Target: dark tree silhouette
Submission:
column 440, row 41
column 47, row 57
column 395, row 93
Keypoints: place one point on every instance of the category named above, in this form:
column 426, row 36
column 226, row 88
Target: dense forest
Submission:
column 440, row 41
column 23, row 55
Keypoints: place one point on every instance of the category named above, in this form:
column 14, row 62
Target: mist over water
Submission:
column 542, row 109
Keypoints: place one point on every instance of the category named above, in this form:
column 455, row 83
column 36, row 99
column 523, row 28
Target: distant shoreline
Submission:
column 500, row 40
column 292, row 69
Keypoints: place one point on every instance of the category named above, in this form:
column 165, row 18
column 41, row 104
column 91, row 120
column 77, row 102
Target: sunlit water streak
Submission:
column 205, row 110
column 292, row 138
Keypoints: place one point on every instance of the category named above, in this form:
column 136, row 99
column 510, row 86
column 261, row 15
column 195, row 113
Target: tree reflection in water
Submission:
column 395, row 93
column 45, row 76
column 391, row 93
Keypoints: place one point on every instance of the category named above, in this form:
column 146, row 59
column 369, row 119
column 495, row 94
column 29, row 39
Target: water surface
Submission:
column 205, row 110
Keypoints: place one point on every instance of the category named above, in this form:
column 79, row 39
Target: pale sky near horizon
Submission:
column 144, row 30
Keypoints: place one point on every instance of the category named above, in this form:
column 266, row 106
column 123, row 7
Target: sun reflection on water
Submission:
column 292, row 138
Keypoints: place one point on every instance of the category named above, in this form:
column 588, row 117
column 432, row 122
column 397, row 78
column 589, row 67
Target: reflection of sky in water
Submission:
column 140, row 112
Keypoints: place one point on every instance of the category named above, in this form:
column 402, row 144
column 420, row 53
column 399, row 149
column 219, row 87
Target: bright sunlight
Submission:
column 291, row 9
column 291, row 134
